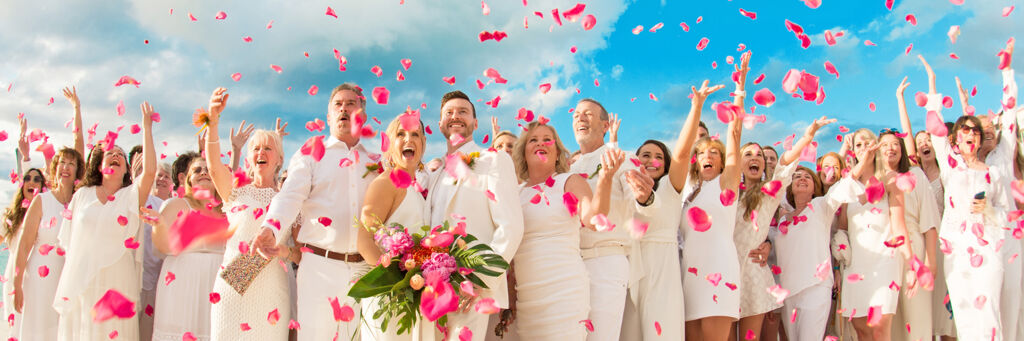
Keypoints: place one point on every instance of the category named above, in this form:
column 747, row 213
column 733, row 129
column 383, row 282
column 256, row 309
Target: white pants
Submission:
column 967, row 283
column 1011, row 296
column 812, row 307
column 318, row 280
column 609, row 277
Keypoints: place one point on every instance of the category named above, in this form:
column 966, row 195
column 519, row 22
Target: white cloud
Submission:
column 617, row 71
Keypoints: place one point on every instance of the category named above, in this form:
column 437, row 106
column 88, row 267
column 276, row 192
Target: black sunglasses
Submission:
column 33, row 178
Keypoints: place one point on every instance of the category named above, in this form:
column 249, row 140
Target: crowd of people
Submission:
column 901, row 234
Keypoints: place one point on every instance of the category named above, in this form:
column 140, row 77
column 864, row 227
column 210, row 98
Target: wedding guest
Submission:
column 104, row 217
column 32, row 184
column 493, row 222
column 503, row 140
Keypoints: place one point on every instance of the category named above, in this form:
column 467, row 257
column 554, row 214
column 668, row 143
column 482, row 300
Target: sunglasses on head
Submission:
column 888, row 131
column 33, row 178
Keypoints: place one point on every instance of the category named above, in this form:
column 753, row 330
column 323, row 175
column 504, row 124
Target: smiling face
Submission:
column 163, row 183
column 198, row 175
column 889, row 147
column 589, row 123
column 457, row 117
column 540, row 147
column 709, row 159
column 652, row 159
column 504, row 142
column 265, row 156
column 32, row 183
column 66, row 170
column 925, row 153
column 831, row 169
column 988, row 139
column 771, row 159
column 968, row 138
column 343, row 105
column 752, row 161
column 114, row 165
column 803, row 183
column 406, row 149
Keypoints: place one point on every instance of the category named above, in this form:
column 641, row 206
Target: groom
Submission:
column 497, row 222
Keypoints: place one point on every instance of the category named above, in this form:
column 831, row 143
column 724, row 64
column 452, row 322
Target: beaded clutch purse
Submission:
column 242, row 270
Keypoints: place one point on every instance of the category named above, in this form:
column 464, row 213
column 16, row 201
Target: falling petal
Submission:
column 727, row 197
column 330, row 12
column 702, row 44
column 764, row 97
column 112, row 304
column 934, row 125
column 699, row 220
column 380, row 95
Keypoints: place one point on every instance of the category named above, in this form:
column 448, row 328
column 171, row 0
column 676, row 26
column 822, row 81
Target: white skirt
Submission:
column 184, row 304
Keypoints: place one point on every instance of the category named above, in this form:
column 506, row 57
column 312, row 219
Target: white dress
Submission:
column 921, row 215
column 874, row 266
column 11, row 318
column 410, row 214
column 553, row 290
column 942, row 313
column 267, row 292
column 711, row 271
column 183, row 304
column 659, row 292
column 97, row 261
column 754, row 296
column 38, row 315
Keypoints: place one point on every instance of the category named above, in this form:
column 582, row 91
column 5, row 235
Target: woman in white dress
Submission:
column 879, row 245
column 802, row 250
column 552, row 287
column 943, row 324
column 711, row 270
column 183, row 300
column 387, row 204
column 33, row 183
column 972, row 226
column 104, row 222
column 755, row 212
column 246, row 196
column 39, row 265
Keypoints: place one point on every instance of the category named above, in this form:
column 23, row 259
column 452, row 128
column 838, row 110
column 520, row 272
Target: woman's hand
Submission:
column 72, row 95
column 243, row 133
column 978, row 206
column 218, row 101
column 701, row 95
column 613, row 130
column 760, row 254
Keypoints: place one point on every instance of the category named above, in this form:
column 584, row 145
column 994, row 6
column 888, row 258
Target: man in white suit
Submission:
column 605, row 252
column 497, row 222
column 318, row 188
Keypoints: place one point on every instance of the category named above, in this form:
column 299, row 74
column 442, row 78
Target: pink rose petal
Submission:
column 699, row 220
column 112, row 304
column 380, row 95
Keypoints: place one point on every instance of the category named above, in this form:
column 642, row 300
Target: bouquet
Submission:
column 428, row 274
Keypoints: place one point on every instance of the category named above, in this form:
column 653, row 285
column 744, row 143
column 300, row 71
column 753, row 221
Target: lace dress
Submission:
column 269, row 291
column 754, row 296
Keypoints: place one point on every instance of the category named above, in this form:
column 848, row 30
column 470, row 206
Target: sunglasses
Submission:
column 33, row 178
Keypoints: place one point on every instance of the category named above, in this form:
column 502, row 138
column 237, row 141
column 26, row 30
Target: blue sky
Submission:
column 91, row 44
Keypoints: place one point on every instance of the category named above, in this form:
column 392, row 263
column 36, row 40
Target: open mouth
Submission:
column 344, row 117
column 261, row 162
column 408, row 152
column 456, row 124
column 706, row 166
column 754, row 168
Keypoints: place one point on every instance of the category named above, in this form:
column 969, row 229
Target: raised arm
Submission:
column 931, row 75
column 72, row 95
column 613, row 129
column 220, row 174
column 495, row 128
column 684, row 144
column 23, row 146
column 794, row 153
column 901, row 103
column 237, row 140
column 148, row 154
column 730, row 179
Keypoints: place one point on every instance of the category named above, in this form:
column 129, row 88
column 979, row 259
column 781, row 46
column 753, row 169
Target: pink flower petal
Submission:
column 1007, row 11
column 486, row 306
column 588, row 22
column 637, row 228
column 791, row 81
column 330, row 12
column 276, row 68
column 906, row 181
column 874, row 315
column 544, row 88
column 601, row 223
column 764, row 97
column 714, row 278
column 221, row 15
column 341, row 313
column 131, row 243
column 854, row 278
column 236, row 76
column 702, row 44
column 437, row 299
column 727, row 197
column 314, row 147
column 380, row 95
column 313, row 89
column 875, row 191
column 400, row 178
column 779, row 293
column 831, row 69
column 911, row 19
column 934, row 125
column 571, row 203
column 112, row 304
column 273, row 317
column 699, row 220
column 772, row 188
column 122, row 81
column 43, row 271
column 748, row 14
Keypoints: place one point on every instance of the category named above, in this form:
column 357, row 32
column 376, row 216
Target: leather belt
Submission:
column 344, row 257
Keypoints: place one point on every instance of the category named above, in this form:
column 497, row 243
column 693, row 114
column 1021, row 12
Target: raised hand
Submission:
column 218, row 100
column 641, row 183
column 23, row 143
column 238, row 140
column 903, row 87
column 701, row 95
column 72, row 95
column 742, row 68
column 931, row 75
column 147, row 114
column 280, row 128
column 1009, row 52
column 613, row 131
column 610, row 162
column 964, row 96
column 495, row 128
column 817, row 124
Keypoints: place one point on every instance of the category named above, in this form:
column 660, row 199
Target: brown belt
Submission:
column 344, row 257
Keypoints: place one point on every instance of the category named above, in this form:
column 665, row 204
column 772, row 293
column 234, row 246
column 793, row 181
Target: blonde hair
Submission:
column 751, row 197
column 702, row 145
column 271, row 138
column 392, row 132
column 519, row 152
column 500, row 134
column 879, row 160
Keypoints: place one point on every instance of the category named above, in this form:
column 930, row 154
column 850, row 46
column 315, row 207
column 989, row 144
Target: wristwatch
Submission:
column 650, row 200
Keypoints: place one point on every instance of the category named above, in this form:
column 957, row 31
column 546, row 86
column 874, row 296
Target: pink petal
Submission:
column 686, row 28
column 330, row 12
column 772, row 188
column 699, row 220
column 727, row 197
column 638, row 29
column 169, row 278
column 954, row 31
column 571, row 203
column 813, row 4
column 122, row 220
column 376, row 70
column 906, row 181
column 759, row 79
column 380, row 95
column 122, row 81
column 1007, row 11
column 273, row 317
column 43, row 271
column 637, row 228
column 314, row 147
column 486, row 306
column 934, row 125
column 221, row 15
column 874, row 315
column 194, row 227
column 276, row 68
column 484, row 8
column 911, row 19
column 236, row 76
column 1017, row 188
column 653, row 98
column 188, row 336
column 657, row 327
column 702, row 44
column 831, row 69
column 450, row 80
column 875, row 191
column 341, row 313
column 131, row 243
column 588, row 324
column 112, row 304
column 748, row 14
column 601, row 223
column 214, row 297
column 714, row 278
column 868, row 42
column 791, row 81
column 779, row 293
column 400, row 178
column 588, row 22
column 313, row 89
column 764, row 97
column 854, row 278
column 544, row 88
column 979, row 302
column 437, row 299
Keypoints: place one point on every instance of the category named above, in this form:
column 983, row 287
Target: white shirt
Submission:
column 323, row 189
column 444, row 191
column 151, row 260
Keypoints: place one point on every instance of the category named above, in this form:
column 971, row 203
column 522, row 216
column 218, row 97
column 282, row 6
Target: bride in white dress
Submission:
column 552, row 287
column 387, row 204
column 269, row 290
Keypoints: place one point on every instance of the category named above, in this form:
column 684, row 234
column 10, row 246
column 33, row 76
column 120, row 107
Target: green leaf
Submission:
column 378, row 281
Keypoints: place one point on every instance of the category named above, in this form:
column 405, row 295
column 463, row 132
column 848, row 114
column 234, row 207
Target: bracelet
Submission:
column 213, row 141
column 739, row 93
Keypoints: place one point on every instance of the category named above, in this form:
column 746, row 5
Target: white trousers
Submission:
column 974, row 292
column 318, row 280
column 609, row 277
column 1010, row 307
column 812, row 307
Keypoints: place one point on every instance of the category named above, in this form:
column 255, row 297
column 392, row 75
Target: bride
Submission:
column 387, row 203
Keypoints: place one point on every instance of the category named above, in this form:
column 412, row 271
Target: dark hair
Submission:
column 664, row 151
column 180, row 166
column 604, row 112
column 15, row 213
column 67, row 153
column 133, row 153
column 960, row 123
column 819, row 188
column 93, row 173
column 702, row 125
column 903, row 165
column 457, row 95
